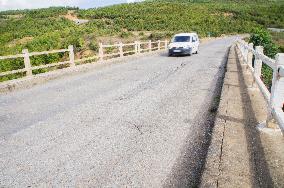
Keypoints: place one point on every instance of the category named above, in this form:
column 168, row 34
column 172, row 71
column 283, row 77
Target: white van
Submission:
column 184, row 44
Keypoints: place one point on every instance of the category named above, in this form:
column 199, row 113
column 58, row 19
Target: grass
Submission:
column 47, row 29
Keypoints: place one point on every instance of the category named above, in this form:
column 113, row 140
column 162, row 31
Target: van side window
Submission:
column 193, row 39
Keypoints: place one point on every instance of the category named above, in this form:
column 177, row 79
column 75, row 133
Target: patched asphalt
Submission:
column 140, row 123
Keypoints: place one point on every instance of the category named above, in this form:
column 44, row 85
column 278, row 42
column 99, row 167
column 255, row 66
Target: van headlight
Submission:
column 187, row 47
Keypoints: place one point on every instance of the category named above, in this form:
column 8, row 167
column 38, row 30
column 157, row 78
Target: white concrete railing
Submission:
column 136, row 48
column 275, row 99
column 28, row 68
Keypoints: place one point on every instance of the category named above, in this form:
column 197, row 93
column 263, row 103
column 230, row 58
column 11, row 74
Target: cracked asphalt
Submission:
column 140, row 123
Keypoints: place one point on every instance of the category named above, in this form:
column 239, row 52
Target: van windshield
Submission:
column 181, row 39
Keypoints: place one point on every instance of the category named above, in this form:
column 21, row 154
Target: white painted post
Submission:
column 257, row 64
column 250, row 55
column 101, row 52
column 241, row 50
column 136, row 47
column 150, row 45
column 27, row 62
column 238, row 47
column 71, row 55
column 139, row 47
column 159, row 44
column 277, row 90
column 258, row 61
column 243, row 53
column 166, row 44
column 120, row 49
column 246, row 52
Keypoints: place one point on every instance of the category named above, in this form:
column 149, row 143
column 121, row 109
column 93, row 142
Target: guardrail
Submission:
column 137, row 49
column 29, row 68
column 275, row 99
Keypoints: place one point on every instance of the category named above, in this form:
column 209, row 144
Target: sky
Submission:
column 29, row 4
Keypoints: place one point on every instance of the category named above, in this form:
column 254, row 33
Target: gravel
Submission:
column 127, row 124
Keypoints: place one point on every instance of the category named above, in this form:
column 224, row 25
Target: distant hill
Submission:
column 51, row 28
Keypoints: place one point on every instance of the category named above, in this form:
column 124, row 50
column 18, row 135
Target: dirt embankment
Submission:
column 71, row 15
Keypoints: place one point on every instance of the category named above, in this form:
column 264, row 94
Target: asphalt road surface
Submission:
column 140, row 123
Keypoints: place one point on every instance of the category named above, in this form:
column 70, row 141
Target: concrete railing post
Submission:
column 101, row 52
column 150, row 46
column 120, row 49
column 243, row 52
column 257, row 64
column 239, row 51
column 240, row 48
column 166, row 44
column 258, row 61
column 159, row 44
column 277, row 90
column 71, row 55
column 246, row 52
column 250, row 55
column 139, row 47
column 136, row 47
column 27, row 62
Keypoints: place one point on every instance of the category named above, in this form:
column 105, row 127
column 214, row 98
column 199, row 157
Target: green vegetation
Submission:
column 263, row 38
column 46, row 29
column 278, row 38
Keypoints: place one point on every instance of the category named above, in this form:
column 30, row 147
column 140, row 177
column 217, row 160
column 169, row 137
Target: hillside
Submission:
column 45, row 29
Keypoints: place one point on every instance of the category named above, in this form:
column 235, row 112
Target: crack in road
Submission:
column 152, row 82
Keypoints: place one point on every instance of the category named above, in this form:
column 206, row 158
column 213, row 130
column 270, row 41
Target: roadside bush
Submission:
column 94, row 46
column 278, row 38
column 157, row 36
column 261, row 37
column 125, row 34
column 281, row 48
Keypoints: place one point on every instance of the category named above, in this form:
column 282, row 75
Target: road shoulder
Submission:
column 236, row 157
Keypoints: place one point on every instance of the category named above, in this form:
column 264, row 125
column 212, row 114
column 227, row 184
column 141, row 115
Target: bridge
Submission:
column 143, row 120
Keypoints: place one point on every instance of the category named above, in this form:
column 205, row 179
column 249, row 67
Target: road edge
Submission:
column 235, row 156
column 203, row 124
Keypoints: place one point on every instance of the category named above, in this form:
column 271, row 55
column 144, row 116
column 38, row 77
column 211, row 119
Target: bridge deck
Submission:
column 132, row 124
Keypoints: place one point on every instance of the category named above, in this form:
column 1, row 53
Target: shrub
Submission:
column 125, row 34
column 261, row 37
column 156, row 36
column 94, row 46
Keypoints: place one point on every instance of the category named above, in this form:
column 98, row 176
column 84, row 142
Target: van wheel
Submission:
column 196, row 52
